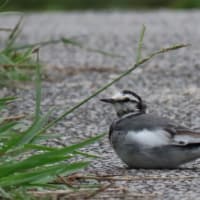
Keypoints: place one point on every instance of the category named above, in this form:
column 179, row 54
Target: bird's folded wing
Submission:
column 183, row 136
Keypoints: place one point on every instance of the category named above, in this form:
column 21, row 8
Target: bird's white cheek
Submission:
column 146, row 137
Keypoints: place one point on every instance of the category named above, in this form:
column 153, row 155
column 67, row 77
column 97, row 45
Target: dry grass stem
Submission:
column 13, row 118
column 125, row 178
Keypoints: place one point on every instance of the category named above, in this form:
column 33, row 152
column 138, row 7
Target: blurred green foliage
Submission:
column 97, row 4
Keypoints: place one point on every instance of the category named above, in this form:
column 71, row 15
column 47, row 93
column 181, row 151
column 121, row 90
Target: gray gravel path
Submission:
column 170, row 84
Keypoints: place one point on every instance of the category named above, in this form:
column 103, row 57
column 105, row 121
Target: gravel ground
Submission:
column 169, row 83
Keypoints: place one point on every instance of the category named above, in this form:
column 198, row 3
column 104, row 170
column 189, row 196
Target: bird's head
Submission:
column 126, row 102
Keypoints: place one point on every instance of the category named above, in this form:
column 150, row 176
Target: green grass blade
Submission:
column 139, row 50
column 40, row 44
column 11, row 143
column 32, row 133
column 45, row 137
column 41, row 175
column 89, row 49
column 14, row 152
column 30, row 163
column 40, row 147
column 38, row 89
column 62, row 170
column 70, row 41
column 24, row 56
column 44, row 43
column 88, row 155
column 66, row 41
column 105, row 53
column 6, row 126
column 14, row 34
column 5, row 60
column 7, row 99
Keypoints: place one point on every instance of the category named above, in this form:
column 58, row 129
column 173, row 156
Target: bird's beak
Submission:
column 108, row 100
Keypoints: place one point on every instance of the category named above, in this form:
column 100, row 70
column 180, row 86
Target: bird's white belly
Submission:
column 149, row 138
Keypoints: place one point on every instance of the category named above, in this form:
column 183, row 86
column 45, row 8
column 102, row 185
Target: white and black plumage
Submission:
column 144, row 140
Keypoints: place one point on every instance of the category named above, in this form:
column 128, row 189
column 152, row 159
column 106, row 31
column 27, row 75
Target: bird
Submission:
column 146, row 140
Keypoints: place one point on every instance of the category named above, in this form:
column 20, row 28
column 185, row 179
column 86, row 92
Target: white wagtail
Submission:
column 144, row 140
